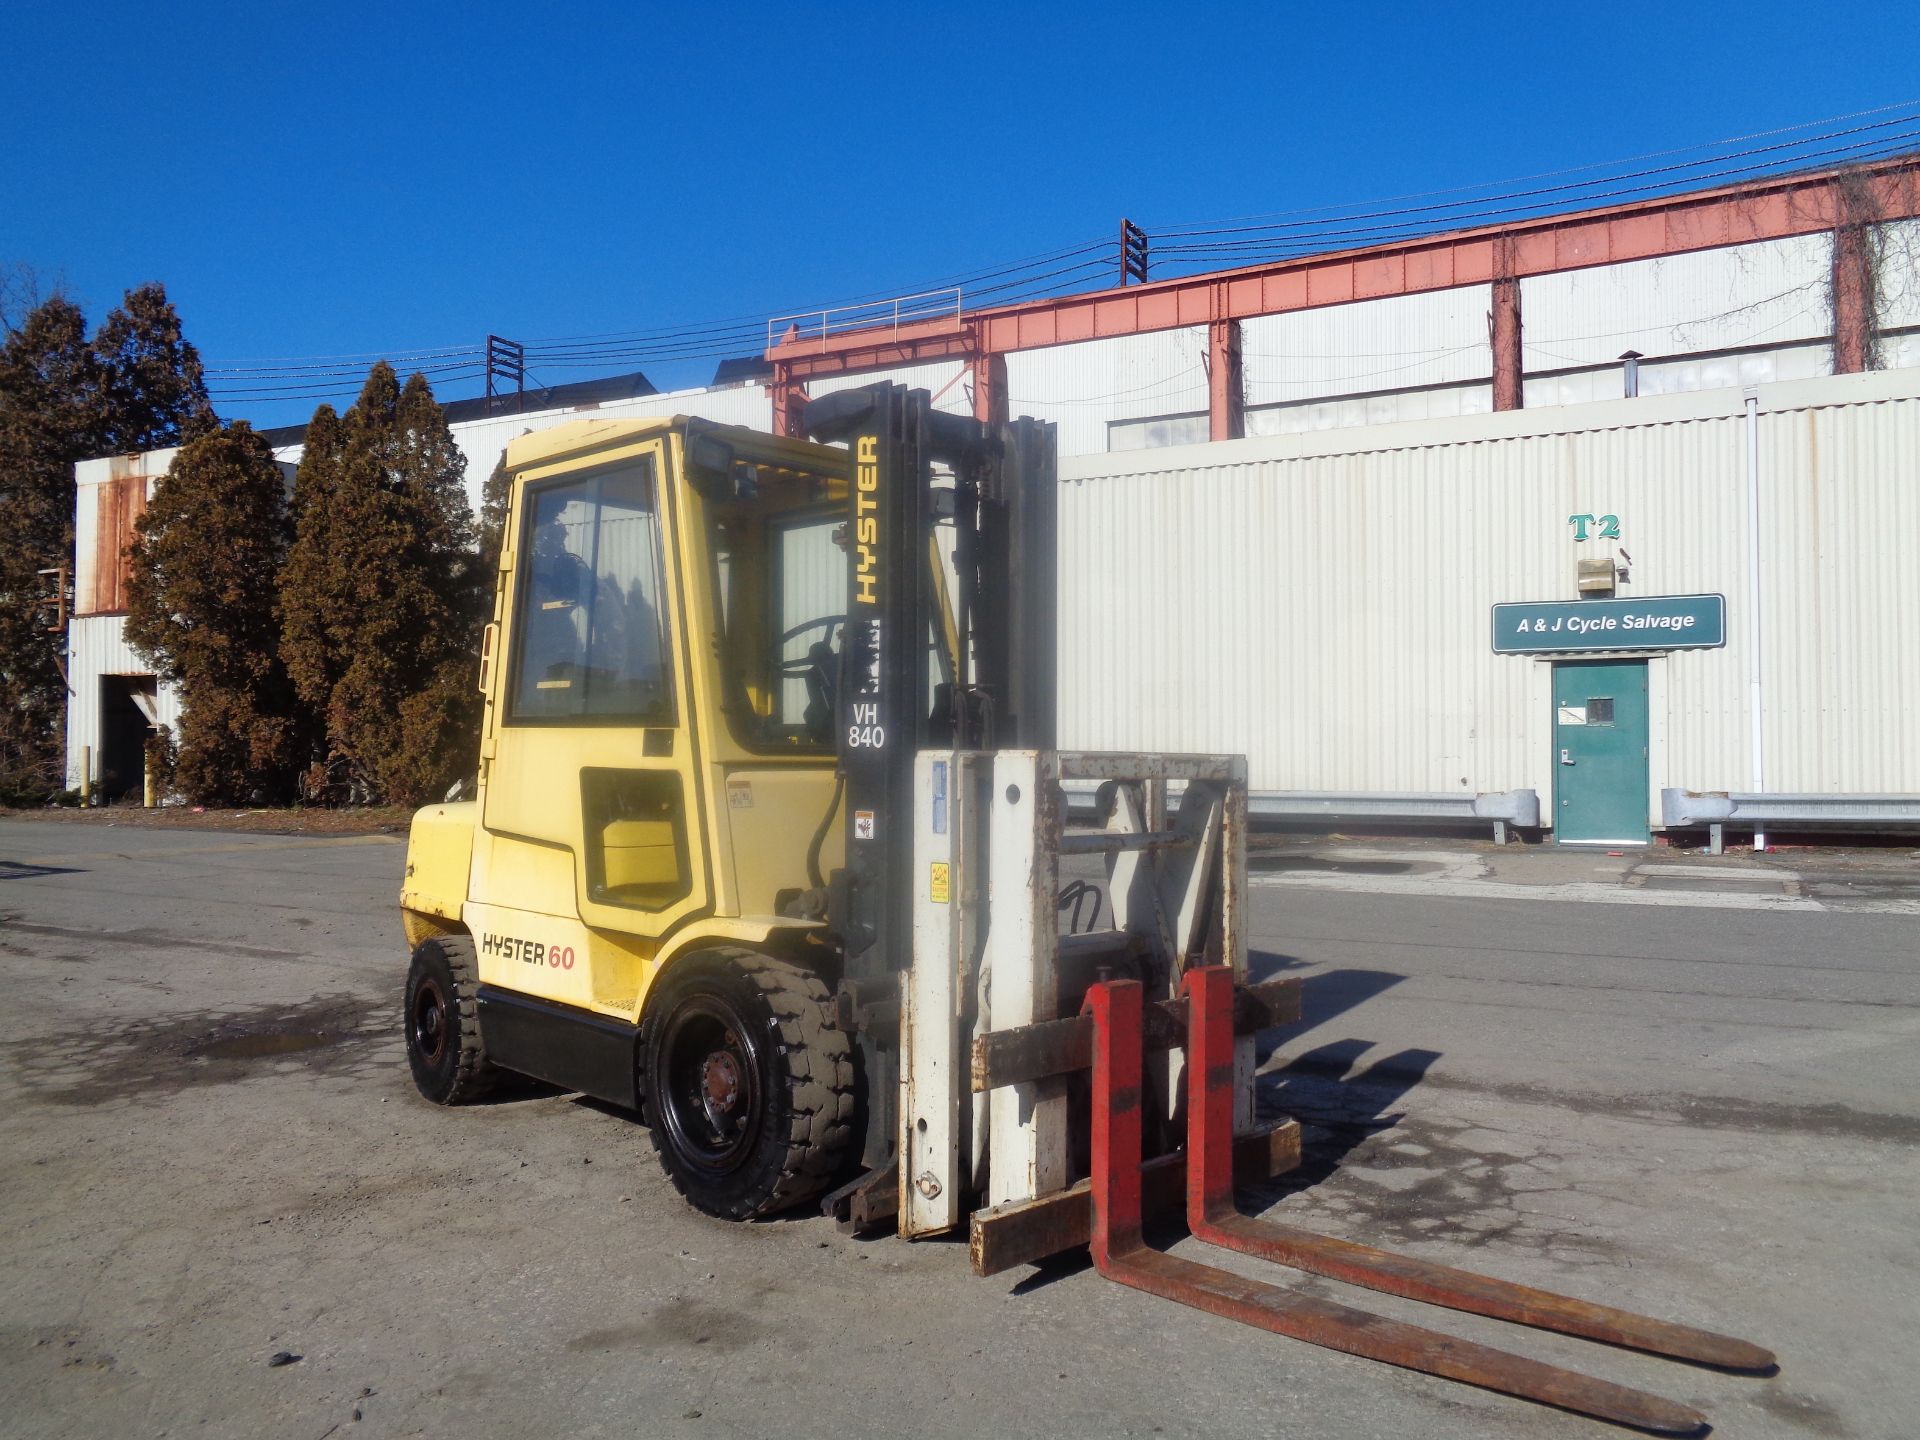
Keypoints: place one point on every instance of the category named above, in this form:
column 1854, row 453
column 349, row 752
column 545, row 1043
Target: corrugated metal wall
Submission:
column 1766, row 294
column 1438, row 338
column 96, row 648
column 1686, row 372
column 1323, row 603
column 1900, row 274
column 1841, row 509
column 1083, row 387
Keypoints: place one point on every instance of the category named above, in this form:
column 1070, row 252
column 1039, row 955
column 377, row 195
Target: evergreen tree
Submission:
column 136, row 386
column 49, row 418
column 495, row 496
column 153, row 392
column 380, row 597
column 311, row 593
column 201, row 610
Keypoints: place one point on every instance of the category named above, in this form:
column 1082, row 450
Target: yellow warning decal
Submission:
column 937, row 883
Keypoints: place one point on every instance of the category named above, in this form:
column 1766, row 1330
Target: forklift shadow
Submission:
column 1323, row 997
column 1265, row 965
column 21, row 870
column 1337, row 1111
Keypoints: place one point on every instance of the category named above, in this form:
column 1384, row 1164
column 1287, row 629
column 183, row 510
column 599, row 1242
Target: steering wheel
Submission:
column 795, row 668
column 818, row 668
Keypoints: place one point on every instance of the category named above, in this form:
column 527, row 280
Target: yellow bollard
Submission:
column 86, row 774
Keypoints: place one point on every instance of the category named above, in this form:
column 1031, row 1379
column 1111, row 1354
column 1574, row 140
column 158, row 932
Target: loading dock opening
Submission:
column 127, row 711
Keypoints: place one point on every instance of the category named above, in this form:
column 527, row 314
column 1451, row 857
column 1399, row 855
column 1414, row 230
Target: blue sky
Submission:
column 314, row 182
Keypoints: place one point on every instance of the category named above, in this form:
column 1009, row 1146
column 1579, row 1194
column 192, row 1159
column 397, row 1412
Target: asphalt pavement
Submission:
column 1692, row 1094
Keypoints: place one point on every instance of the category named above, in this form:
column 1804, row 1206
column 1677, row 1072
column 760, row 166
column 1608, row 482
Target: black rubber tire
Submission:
column 442, row 1022
column 792, row 1069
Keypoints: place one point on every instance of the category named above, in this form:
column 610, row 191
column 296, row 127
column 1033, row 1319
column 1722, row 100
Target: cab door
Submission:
column 591, row 812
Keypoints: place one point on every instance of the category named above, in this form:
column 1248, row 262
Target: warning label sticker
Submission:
column 937, row 883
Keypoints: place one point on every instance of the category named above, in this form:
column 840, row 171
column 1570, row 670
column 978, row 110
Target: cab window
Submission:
column 591, row 630
column 782, row 585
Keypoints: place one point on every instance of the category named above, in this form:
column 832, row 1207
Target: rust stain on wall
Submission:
column 118, row 504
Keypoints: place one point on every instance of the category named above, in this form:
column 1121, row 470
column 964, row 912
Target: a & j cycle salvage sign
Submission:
column 1653, row 622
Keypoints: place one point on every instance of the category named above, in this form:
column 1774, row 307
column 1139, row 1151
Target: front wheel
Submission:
column 748, row 1083
column 448, row 1061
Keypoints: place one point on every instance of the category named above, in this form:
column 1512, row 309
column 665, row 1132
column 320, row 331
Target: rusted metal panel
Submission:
column 1023, row 1231
column 118, row 503
column 110, row 494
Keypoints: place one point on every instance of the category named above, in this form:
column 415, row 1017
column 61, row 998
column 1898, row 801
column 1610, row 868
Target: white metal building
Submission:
column 1319, row 594
column 1324, row 602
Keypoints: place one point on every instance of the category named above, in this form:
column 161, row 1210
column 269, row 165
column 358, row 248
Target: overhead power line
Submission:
column 1881, row 133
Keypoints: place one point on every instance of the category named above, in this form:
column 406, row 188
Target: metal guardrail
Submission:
column 821, row 325
column 1505, row 810
column 1720, row 809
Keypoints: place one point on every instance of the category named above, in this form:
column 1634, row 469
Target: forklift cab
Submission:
column 658, row 690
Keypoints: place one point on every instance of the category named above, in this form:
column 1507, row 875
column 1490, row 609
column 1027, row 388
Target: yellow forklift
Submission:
column 772, row 845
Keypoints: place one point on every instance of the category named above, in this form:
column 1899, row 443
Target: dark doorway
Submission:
column 126, row 702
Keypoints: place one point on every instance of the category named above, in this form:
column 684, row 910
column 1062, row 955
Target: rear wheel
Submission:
column 444, row 1051
column 748, row 1083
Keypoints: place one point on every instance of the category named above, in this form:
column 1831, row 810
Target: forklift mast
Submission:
column 919, row 668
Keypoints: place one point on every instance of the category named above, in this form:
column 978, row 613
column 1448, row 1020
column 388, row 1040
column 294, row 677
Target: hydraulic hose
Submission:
column 814, row 878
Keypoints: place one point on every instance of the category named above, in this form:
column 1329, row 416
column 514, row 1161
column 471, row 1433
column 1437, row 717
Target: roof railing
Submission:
column 821, row 325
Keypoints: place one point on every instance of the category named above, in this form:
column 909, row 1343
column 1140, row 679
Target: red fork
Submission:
column 1121, row 1254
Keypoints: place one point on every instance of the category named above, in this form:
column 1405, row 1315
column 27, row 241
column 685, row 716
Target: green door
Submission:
column 1600, row 752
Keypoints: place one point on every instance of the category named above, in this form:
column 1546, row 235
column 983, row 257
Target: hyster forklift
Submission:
column 773, row 845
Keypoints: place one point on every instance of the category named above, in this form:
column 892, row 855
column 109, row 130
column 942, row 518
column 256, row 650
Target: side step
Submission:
column 1121, row 1254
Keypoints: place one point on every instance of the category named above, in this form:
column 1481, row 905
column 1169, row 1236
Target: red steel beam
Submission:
column 1226, row 391
column 989, row 388
column 1770, row 209
column 1509, row 367
column 789, row 397
column 1852, row 312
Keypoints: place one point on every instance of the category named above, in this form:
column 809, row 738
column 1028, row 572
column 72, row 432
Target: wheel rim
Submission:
column 427, row 1022
column 708, row 1090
